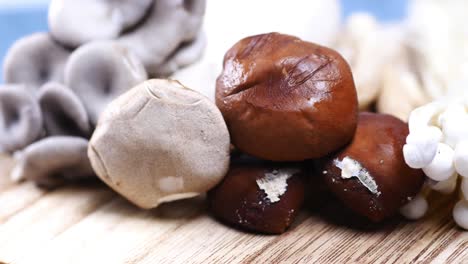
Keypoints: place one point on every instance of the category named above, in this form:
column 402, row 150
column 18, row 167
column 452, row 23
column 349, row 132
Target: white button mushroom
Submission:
column 76, row 22
column 169, row 25
column 416, row 208
column 421, row 146
column 441, row 167
column 461, row 158
column 460, row 214
column 62, row 111
column 52, row 161
column 98, row 72
column 160, row 142
column 20, row 118
column 35, row 60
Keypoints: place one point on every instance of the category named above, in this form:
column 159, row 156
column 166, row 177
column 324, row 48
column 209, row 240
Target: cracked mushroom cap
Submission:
column 52, row 161
column 35, row 60
column 63, row 112
column 98, row 72
column 104, row 19
column 20, row 118
column 160, row 142
column 169, row 26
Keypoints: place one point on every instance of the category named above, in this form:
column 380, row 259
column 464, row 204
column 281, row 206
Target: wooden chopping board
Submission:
column 92, row 224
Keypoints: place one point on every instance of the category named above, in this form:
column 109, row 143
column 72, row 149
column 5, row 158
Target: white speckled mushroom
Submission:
column 35, row 60
column 52, row 161
column 63, row 112
column 76, row 22
column 98, row 72
column 169, row 25
column 20, row 118
column 160, row 142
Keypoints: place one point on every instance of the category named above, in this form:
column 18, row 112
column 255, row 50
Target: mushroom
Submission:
column 368, row 47
column 98, row 72
column 52, row 161
column 74, row 23
column 160, row 142
column 170, row 24
column 186, row 54
column 20, row 118
column 35, row 60
column 63, row 112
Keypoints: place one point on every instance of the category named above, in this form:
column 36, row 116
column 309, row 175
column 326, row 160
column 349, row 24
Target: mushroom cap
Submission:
column 20, row 118
column 160, row 142
column 53, row 160
column 75, row 23
column 35, row 60
column 98, row 72
column 169, row 25
column 285, row 99
column 63, row 112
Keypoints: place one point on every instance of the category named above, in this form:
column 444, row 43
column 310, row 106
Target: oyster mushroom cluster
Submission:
column 438, row 144
column 57, row 83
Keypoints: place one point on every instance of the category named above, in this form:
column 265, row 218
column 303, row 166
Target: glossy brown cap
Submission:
column 285, row 99
column 378, row 147
column 239, row 201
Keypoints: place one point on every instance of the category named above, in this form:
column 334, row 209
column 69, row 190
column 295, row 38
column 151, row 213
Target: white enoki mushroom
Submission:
column 441, row 125
column 368, row 46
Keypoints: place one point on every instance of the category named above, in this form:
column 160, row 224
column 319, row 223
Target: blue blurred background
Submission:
column 22, row 17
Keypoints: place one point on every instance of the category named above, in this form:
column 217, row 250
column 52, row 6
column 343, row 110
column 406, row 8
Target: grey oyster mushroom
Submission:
column 76, row 22
column 62, row 111
column 160, row 142
column 53, row 161
column 35, row 60
column 20, row 118
column 170, row 25
column 100, row 71
column 184, row 56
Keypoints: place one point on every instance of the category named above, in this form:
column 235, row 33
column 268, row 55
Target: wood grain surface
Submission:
column 91, row 224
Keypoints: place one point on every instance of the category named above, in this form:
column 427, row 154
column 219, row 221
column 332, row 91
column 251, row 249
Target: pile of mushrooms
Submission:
column 58, row 83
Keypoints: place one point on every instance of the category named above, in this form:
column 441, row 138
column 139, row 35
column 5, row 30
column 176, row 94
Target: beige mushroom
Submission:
column 98, row 72
column 53, row 161
column 402, row 87
column 160, row 142
column 35, row 60
column 368, row 46
column 63, row 112
column 170, row 24
column 20, row 118
column 76, row 22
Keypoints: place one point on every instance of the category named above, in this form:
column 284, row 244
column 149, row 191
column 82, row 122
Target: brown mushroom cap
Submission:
column 239, row 199
column 285, row 99
column 378, row 149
